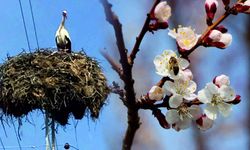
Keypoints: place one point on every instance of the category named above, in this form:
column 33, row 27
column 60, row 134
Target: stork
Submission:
column 62, row 38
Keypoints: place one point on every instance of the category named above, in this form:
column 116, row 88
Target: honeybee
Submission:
column 173, row 65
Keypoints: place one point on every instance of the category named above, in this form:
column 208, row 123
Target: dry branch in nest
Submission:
column 59, row 83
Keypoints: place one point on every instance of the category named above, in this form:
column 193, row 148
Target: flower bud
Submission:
column 211, row 8
column 221, row 80
column 243, row 7
column 236, row 100
column 226, row 39
column 162, row 12
column 204, row 122
column 155, row 93
column 215, row 35
column 221, row 28
column 226, row 2
column 218, row 39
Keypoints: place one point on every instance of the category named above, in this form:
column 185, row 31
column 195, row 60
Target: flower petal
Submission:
column 225, row 109
column 159, row 61
column 195, row 111
column 169, row 86
column 227, row 93
column 175, row 101
column 172, row 33
column 204, row 96
column 222, row 80
column 156, row 93
column 183, row 63
column 172, row 116
column 213, row 89
column 206, row 123
column 191, row 86
column 211, row 111
column 183, row 124
column 226, row 39
column 162, row 11
column 190, row 97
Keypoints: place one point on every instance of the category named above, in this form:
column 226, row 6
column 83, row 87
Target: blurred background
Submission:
column 89, row 31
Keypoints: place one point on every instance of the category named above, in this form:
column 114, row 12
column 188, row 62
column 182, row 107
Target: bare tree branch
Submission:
column 130, row 101
column 139, row 38
column 113, row 19
column 114, row 65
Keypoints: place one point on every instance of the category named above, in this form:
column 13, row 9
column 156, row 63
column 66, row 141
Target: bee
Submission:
column 173, row 65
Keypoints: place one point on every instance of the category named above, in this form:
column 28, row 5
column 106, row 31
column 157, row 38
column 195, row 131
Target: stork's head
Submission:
column 64, row 13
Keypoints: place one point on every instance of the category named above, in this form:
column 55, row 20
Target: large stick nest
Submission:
column 59, row 83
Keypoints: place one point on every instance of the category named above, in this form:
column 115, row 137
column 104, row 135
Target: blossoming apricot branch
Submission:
column 176, row 90
column 181, row 100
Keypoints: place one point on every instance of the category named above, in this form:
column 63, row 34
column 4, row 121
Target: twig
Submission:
column 112, row 18
column 139, row 38
column 114, row 65
column 207, row 31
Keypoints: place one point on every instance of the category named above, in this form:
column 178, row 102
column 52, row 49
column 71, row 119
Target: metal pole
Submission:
column 47, row 130
column 53, row 134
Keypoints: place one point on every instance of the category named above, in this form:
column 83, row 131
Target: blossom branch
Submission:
column 139, row 38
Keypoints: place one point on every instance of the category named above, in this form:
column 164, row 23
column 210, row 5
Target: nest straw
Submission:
column 59, row 83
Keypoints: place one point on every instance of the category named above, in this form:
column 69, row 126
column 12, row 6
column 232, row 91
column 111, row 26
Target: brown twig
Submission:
column 113, row 19
column 113, row 64
column 207, row 31
column 139, row 38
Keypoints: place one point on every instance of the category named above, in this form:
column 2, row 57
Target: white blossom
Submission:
column 156, row 93
column 162, row 12
column 182, row 87
column 181, row 115
column 216, row 99
column 188, row 74
column 185, row 37
column 222, row 80
column 164, row 67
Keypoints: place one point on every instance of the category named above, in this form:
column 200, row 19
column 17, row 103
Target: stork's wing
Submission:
column 59, row 46
column 68, row 45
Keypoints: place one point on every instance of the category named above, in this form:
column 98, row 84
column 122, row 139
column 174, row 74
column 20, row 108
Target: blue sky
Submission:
column 89, row 30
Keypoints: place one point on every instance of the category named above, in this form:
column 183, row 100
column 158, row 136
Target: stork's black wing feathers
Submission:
column 68, row 45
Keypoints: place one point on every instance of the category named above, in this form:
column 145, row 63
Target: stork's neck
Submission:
column 63, row 22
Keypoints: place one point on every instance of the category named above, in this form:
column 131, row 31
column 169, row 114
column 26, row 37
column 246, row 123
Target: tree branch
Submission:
column 112, row 18
column 139, row 38
column 130, row 101
column 113, row 64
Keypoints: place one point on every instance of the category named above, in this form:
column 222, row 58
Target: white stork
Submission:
column 63, row 42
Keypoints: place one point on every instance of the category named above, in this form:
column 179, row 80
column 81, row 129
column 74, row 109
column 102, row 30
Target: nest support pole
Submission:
column 53, row 134
column 47, row 130
column 50, row 131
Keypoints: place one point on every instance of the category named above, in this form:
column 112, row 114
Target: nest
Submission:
column 59, row 83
